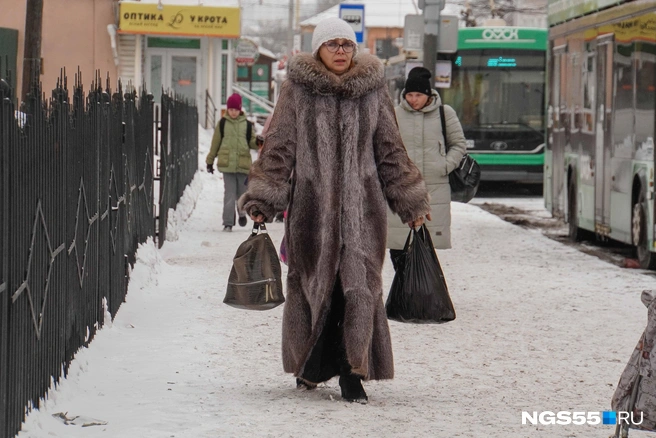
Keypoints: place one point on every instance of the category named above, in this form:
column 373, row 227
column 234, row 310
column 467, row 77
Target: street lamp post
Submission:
column 431, row 14
column 290, row 29
column 32, row 53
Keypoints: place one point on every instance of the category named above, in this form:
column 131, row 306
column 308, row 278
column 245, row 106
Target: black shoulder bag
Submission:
column 465, row 178
column 255, row 278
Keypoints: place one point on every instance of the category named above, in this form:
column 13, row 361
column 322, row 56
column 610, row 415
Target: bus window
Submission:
column 589, row 78
column 554, row 106
column 499, row 87
column 575, row 96
column 645, row 65
column 566, row 94
column 623, row 121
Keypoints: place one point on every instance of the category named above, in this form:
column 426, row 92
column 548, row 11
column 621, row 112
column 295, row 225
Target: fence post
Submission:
column 164, row 177
column 207, row 108
column 5, row 105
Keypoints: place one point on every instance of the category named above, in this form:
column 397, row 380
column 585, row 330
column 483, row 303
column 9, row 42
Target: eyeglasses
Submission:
column 334, row 46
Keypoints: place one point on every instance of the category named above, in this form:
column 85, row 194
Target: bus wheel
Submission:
column 646, row 258
column 575, row 233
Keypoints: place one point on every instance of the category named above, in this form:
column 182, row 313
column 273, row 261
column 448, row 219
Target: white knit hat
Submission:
column 330, row 29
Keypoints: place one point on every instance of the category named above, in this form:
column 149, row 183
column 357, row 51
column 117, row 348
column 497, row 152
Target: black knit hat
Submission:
column 419, row 81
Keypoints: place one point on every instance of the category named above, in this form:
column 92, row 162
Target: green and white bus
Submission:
column 599, row 162
column 496, row 83
column 498, row 90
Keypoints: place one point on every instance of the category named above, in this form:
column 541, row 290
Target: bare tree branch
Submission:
column 474, row 11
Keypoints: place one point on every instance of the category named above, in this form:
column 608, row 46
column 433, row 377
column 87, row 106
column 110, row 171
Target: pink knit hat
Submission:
column 234, row 101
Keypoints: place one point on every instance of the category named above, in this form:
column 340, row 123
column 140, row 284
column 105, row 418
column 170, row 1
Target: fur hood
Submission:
column 366, row 75
column 432, row 106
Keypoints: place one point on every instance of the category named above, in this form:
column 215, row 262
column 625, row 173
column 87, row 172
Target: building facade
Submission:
column 179, row 45
column 185, row 46
column 74, row 35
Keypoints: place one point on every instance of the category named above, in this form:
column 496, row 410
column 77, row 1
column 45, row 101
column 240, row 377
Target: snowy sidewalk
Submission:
column 540, row 326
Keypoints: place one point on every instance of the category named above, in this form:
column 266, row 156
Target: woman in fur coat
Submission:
column 334, row 133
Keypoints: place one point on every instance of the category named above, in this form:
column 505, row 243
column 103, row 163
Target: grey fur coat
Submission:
column 338, row 134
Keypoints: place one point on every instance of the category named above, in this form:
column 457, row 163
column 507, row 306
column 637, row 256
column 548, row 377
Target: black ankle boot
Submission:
column 300, row 383
column 352, row 389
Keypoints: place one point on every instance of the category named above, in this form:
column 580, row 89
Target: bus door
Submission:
column 556, row 181
column 603, row 141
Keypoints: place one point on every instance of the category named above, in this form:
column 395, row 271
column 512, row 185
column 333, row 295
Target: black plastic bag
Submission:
column 419, row 292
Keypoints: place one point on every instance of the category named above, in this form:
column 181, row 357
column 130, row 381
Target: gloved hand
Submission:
column 210, row 168
column 258, row 217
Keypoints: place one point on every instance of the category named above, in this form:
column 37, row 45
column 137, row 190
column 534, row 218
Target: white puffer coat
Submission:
column 422, row 136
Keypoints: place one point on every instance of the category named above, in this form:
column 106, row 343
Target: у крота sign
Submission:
column 353, row 15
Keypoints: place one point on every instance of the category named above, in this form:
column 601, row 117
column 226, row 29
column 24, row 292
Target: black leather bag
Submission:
column 255, row 281
column 464, row 179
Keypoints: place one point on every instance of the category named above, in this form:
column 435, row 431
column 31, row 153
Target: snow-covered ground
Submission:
column 533, row 205
column 540, row 326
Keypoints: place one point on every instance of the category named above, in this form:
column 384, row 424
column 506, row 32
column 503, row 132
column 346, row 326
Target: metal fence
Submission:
column 76, row 199
column 178, row 155
column 210, row 111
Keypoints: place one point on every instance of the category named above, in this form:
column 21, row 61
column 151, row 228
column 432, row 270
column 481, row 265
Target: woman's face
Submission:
column 337, row 54
column 416, row 100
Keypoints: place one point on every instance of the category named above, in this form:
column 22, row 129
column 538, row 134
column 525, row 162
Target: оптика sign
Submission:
column 145, row 18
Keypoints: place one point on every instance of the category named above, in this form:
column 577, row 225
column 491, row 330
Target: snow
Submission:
column 381, row 13
column 266, row 52
column 21, row 117
column 540, row 326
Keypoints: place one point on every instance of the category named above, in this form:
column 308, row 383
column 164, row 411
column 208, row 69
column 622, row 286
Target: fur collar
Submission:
column 367, row 74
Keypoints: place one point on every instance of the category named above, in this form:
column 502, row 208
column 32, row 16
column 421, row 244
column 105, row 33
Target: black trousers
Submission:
column 328, row 357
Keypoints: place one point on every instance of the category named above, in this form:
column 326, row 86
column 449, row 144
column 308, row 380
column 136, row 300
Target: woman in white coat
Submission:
column 419, row 121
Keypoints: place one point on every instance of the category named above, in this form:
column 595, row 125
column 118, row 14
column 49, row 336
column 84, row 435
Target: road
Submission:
column 523, row 205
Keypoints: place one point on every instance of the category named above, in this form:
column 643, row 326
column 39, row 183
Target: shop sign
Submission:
column 246, row 52
column 641, row 28
column 563, row 10
column 148, row 18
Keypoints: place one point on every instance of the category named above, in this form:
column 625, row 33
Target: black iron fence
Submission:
column 210, row 111
column 76, row 199
column 178, row 155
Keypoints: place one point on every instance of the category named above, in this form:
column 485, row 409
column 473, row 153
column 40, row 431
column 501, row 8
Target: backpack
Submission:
column 249, row 129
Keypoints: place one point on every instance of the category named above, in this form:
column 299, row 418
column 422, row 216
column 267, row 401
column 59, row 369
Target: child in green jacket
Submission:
column 231, row 143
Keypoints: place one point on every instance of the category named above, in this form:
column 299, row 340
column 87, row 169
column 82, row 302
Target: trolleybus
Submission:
column 599, row 162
